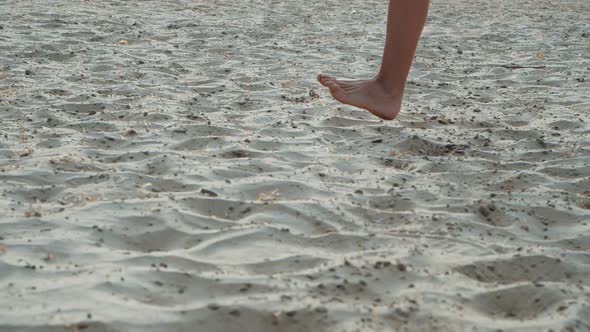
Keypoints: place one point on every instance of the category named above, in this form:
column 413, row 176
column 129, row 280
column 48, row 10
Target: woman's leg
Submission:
column 383, row 94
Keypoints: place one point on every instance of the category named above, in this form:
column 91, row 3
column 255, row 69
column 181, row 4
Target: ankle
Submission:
column 391, row 86
column 394, row 87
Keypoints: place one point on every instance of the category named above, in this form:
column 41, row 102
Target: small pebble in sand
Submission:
column 276, row 317
column 29, row 214
column 50, row 257
column 208, row 192
column 123, row 42
column 268, row 196
column 77, row 328
column 130, row 132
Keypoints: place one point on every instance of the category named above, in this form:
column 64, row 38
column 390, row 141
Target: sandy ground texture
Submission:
column 174, row 166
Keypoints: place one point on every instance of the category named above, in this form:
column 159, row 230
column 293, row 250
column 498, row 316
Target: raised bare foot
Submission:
column 367, row 94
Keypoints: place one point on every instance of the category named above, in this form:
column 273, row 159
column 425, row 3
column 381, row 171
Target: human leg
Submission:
column 382, row 95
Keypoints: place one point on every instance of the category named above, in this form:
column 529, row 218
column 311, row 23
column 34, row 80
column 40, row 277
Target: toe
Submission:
column 336, row 90
column 325, row 79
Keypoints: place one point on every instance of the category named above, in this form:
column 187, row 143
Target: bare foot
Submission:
column 367, row 94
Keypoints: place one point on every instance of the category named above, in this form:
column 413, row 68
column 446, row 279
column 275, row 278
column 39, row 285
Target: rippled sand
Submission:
column 194, row 177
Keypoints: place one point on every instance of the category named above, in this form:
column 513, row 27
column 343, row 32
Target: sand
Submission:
column 174, row 166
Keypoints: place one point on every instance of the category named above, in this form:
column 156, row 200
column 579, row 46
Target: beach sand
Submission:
column 174, row 166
